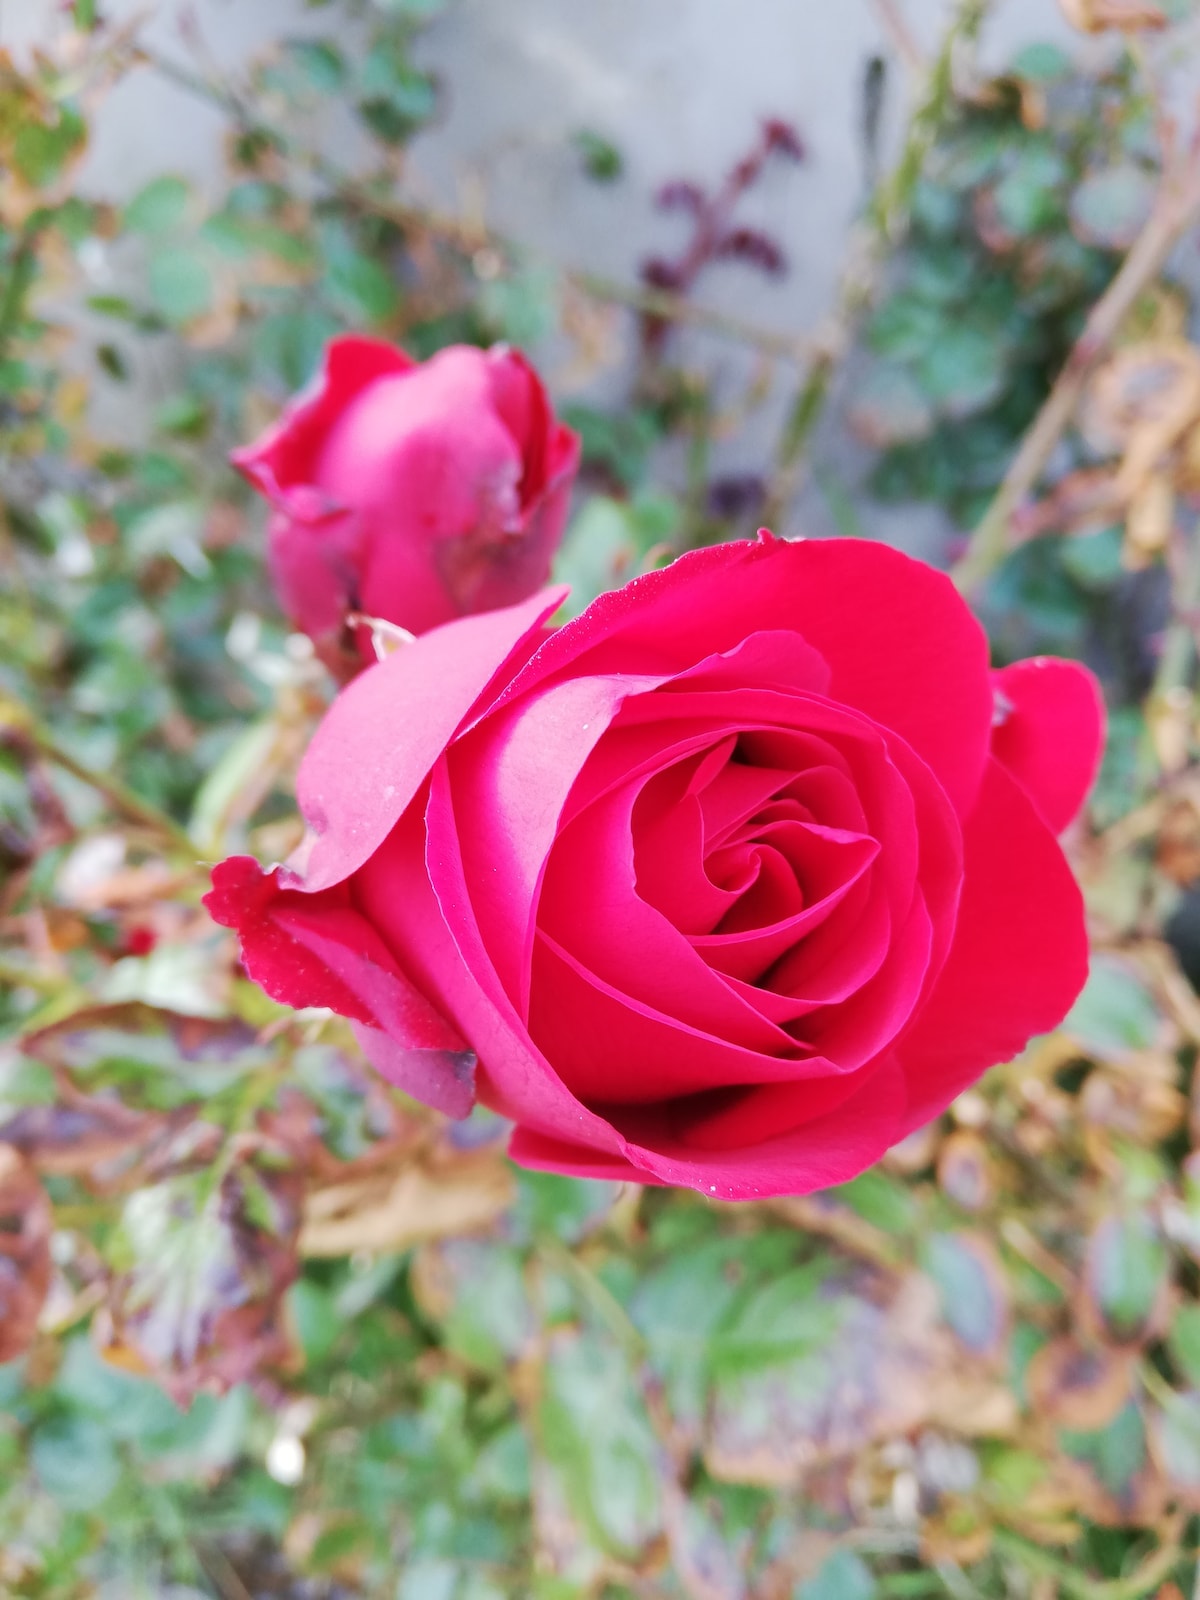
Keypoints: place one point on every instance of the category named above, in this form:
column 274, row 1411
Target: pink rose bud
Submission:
column 413, row 492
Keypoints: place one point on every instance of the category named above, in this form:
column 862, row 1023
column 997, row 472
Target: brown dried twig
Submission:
column 1176, row 208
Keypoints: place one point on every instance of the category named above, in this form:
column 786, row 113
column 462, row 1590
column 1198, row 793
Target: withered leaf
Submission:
column 210, row 1255
column 1125, row 1293
column 432, row 1198
column 1094, row 16
column 1076, row 1386
column 25, row 1226
column 80, row 1135
column 869, row 1371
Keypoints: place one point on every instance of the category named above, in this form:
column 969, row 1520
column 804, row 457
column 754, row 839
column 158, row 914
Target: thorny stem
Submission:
column 472, row 236
column 1175, row 209
column 887, row 216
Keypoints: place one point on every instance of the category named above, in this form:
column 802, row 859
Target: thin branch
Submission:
column 886, row 220
column 124, row 800
column 895, row 25
column 1175, row 209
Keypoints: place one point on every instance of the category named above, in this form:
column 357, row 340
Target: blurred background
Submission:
column 902, row 269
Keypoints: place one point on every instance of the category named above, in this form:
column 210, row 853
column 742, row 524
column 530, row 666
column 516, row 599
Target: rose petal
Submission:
column 384, row 732
column 925, row 674
column 511, row 779
column 831, row 1149
column 286, row 455
column 1050, row 733
column 317, row 950
column 528, row 1148
column 1019, row 956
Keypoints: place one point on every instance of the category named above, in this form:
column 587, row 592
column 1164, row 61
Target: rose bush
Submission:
column 412, row 492
column 730, row 882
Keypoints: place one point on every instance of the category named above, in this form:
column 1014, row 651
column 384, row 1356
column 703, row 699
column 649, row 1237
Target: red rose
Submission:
column 730, row 882
column 412, row 492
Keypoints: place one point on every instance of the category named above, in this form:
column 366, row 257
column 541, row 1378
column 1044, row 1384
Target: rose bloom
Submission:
column 412, row 492
column 730, row 882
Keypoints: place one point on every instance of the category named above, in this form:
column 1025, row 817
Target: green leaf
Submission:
column 490, row 1320
column 428, row 1578
column 888, row 408
column 963, row 368
column 75, row 1461
column 1040, row 63
column 602, row 161
column 548, row 1202
column 395, row 98
column 175, row 530
column 362, row 288
column 1030, row 196
column 595, row 1435
column 598, row 553
column 289, row 345
column 677, row 1308
column 217, row 798
column 1116, row 1453
column 786, row 1319
column 974, row 1294
column 843, row 1576
column 1179, row 1442
column 1115, row 1014
column 319, row 62
column 158, row 208
column 1094, row 559
column 1127, row 1268
column 1110, row 206
column 181, row 285
column 1183, row 1341
column 41, row 151
column 523, row 307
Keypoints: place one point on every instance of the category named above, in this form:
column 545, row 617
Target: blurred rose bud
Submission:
column 412, row 492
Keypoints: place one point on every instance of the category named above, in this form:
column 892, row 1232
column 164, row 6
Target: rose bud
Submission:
column 412, row 492
column 734, row 881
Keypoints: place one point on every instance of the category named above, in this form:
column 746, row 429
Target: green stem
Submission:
column 597, row 1295
column 122, row 798
column 1034, row 1558
column 15, row 976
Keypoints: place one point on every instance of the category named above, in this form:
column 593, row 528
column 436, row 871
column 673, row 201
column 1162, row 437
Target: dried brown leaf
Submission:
column 1077, row 1386
column 891, row 1368
column 25, row 1226
column 424, row 1200
column 1130, row 16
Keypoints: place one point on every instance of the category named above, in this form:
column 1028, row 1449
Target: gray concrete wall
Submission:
column 677, row 85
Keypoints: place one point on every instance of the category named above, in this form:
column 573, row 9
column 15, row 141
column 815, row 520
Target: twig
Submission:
column 470, row 236
column 123, row 799
column 1175, row 209
column 886, row 219
column 220, row 1570
column 895, row 25
column 13, row 975
column 1146, row 1577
